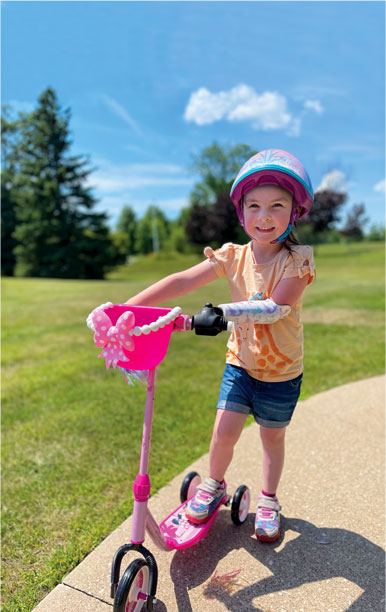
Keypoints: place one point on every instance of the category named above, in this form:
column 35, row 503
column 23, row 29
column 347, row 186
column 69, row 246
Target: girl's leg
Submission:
column 273, row 442
column 227, row 429
column 226, row 432
column 267, row 523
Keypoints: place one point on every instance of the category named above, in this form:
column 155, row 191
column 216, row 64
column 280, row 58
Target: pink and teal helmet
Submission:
column 274, row 167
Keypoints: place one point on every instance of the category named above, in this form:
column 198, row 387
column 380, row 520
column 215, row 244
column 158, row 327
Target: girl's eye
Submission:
column 278, row 204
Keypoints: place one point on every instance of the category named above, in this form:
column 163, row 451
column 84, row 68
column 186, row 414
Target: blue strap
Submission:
column 284, row 236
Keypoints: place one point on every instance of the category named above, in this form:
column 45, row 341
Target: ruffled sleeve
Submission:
column 300, row 262
column 220, row 258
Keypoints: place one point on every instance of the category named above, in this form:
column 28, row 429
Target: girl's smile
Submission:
column 263, row 230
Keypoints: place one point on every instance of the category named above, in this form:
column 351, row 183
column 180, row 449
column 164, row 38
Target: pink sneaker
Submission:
column 209, row 495
column 267, row 523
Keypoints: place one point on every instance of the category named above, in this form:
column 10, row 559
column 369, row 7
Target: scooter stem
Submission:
column 141, row 486
column 146, row 435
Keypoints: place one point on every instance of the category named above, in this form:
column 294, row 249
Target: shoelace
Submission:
column 266, row 513
column 204, row 496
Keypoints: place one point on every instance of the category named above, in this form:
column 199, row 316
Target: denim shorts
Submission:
column 271, row 403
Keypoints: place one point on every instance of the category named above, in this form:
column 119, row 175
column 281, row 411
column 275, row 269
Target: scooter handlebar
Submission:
column 209, row 321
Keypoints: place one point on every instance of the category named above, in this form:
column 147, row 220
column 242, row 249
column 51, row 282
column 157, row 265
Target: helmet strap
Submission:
column 294, row 216
column 283, row 236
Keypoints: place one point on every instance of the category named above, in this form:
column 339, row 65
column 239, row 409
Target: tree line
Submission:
column 50, row 227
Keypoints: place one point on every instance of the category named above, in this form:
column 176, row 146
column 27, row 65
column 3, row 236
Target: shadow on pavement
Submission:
column 311, row 554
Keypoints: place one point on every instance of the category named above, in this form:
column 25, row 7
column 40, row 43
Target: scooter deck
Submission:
column 179, row 532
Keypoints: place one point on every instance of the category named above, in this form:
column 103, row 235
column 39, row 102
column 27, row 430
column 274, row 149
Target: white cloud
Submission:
column 204, row 107
column 335, row 181
column 140, row 185
column 267, row 111
column 381, row 186
column 110, row 179
column 314, row 105
column 121, row 112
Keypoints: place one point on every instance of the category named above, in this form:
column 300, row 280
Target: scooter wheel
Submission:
column 240, row 505
column 133, row 588
column 189, row 486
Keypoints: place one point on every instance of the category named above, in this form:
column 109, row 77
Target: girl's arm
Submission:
column 278, row 306
column 175, row 285
column 290, row 290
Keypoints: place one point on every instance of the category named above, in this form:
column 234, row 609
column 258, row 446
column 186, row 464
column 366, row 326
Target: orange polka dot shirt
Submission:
column 274, row 352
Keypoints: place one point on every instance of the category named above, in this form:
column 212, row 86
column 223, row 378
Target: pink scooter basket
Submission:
column 134, row 337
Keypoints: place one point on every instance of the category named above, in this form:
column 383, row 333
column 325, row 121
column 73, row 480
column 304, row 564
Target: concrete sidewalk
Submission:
column 330, row 557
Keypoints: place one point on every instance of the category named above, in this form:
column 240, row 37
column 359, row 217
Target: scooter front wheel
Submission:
column 240, row 505
column 133, row 588
column 189, row 486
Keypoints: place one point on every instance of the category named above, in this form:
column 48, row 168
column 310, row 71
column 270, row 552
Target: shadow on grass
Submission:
column 316, row 554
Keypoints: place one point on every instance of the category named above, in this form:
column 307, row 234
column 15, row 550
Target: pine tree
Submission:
column 58, row 233
column 8, row 199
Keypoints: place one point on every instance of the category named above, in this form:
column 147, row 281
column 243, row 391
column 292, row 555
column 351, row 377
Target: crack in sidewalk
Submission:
column 88, row 594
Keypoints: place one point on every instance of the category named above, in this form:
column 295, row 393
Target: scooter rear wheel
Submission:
column 240, row 505
column 133, row 588
column 189, row 486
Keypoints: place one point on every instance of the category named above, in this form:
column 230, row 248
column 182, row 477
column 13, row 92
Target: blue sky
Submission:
column 151, row 83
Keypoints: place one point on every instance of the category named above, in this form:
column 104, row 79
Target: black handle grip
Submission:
column 209, row 321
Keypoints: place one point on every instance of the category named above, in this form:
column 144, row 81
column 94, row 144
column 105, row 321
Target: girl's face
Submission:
column 267, row 212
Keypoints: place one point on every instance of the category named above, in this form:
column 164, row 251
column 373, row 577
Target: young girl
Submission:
column 264, row 362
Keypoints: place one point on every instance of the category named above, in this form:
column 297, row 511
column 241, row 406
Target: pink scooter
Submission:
column 136, row 338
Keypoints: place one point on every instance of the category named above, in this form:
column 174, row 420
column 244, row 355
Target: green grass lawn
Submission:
column 72, row 431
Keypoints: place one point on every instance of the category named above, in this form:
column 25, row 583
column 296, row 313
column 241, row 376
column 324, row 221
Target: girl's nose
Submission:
column 265, row 214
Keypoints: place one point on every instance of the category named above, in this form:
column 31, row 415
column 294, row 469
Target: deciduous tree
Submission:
column 127, row 228
column 152, row 231
column 323, row 216
column 212, row 217
column 355, row 221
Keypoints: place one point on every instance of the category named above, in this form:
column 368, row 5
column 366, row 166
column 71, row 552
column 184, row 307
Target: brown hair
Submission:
column 290, row 240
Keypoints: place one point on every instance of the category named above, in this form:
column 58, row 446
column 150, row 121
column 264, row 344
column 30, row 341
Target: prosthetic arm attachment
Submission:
column 261, row 311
